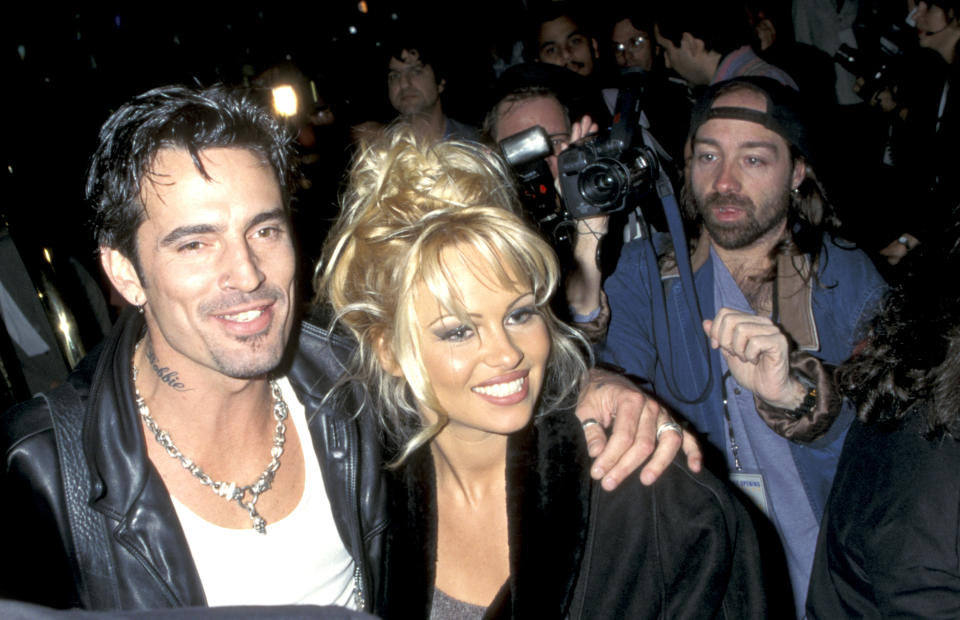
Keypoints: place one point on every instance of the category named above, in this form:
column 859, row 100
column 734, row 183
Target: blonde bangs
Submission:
column 409, row 202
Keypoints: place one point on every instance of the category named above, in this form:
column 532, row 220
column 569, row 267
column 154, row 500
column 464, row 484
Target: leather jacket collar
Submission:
column 129, row 491
column 125, row 487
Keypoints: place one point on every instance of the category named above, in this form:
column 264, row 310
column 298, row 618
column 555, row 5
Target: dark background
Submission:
column 67, row 69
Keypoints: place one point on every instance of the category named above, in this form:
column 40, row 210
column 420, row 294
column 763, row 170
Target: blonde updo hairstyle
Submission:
column 407, row 202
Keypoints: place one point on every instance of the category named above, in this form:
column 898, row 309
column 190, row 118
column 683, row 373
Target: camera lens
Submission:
column 602, row 183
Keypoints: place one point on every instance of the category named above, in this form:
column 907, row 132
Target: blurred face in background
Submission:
column 562, row 44
column 412, row 85
column 632, row 47
column 937, row 29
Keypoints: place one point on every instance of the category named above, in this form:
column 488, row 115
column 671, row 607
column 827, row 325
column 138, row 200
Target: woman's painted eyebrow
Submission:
column 517, row 300
column 476, row 315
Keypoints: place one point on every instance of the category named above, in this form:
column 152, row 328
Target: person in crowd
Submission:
column 193, row 458
column 529, row 96
column 811, row 67
column 415, row 82
column 632, row 41
column 560, row 37
column 471, row 378
column 922, row 113
column 782, row 301
column 891, row 532
column 826, row 24
column 665, row 103
column 530, row 106
column 709, row 41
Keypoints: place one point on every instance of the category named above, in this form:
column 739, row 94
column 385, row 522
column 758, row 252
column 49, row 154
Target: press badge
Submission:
column 752, row 485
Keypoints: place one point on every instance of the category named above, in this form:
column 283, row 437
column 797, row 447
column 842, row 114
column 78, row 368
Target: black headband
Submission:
column 783, row 115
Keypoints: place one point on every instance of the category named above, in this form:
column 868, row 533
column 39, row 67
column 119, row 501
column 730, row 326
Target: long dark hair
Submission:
column 912, row 352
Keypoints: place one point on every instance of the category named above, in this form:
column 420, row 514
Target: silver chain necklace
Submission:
column 227, row 490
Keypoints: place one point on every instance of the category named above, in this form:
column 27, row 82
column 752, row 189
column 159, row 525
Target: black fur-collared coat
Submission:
column 682, row 548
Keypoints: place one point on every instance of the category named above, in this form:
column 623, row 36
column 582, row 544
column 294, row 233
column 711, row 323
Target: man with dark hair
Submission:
column 194, row 458
column 188, row 447
column 415, row 82
column 631, row 38
column 708, row 41
column 783, row 300
column 560, row 37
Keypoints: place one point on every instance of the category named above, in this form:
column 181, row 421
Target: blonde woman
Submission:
column 473, row 381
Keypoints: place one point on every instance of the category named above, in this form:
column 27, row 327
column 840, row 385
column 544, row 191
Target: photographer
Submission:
column 920, row 110
column 538, row 95
column 530, row 106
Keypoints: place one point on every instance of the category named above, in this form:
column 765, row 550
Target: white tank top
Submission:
column 301, row 559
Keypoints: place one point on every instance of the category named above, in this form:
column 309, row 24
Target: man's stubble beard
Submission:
column 261, row 353
column 757, row 222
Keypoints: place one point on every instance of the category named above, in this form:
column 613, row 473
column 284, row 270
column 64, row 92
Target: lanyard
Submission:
column 734, row 446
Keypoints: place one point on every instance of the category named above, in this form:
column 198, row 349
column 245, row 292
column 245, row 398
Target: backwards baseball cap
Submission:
column 783, row 116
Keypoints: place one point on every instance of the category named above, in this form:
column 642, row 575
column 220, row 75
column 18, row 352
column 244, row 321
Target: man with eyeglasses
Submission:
column 528, row 96
column 632, row 43
column 665, row 102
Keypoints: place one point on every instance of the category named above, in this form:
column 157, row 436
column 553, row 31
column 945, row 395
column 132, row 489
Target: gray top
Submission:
column 446, row 607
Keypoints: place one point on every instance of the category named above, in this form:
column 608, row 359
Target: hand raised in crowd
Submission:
column 898, row 248
column 584, row 283
column 758, row 355
column 597, row 224
column 613, row 401
column 884, row 98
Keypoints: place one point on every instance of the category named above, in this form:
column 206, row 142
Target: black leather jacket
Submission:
column 682, row 548
column 154, row 568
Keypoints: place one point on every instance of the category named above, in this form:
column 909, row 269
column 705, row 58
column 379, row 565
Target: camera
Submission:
column 604, row 174
column 875, row 70
column 600, row 176
column 878, row 59
column 525, row 152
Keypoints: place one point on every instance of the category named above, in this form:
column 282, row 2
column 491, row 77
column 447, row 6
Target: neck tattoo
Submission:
column 166, row 376
column 227, row 490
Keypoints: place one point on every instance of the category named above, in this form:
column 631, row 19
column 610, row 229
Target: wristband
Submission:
column 807, row 404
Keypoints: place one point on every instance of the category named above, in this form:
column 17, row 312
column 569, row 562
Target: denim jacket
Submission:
column 823, row 316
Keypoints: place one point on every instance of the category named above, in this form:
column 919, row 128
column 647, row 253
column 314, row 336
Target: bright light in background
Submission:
column 362, row 6
column 285, row 100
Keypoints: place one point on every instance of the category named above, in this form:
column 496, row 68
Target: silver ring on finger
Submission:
column 669, row 426
column 589, row 422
